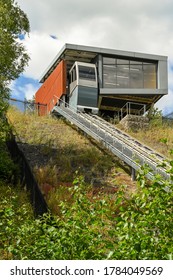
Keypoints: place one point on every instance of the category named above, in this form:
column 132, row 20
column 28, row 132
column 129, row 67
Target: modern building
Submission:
column 103, row 80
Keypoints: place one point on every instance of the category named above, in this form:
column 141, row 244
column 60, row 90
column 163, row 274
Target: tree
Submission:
column 13, row 56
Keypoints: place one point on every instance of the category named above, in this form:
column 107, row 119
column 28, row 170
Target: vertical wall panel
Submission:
column 54, row 86
column 163, row 75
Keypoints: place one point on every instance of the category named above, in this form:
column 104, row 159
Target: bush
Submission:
column 145, row 225
column 93, row 227
column 155, row 117
column 7, row 167
column 15, row 210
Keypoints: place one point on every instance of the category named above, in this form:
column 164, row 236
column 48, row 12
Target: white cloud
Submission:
column 14, row 89
column 144, row 26
column 127, row 24
column 42, row 48
column 166, row 103
column 23, row 91
column 29, row 90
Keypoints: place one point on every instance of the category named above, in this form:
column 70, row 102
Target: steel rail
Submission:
column 127, row 139
column 126, row 150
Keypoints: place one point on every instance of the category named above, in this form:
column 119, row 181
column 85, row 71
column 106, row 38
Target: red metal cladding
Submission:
column 53, row 87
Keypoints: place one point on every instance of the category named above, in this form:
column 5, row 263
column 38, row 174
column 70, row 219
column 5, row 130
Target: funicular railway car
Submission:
column 83, row 87
column 102, row 80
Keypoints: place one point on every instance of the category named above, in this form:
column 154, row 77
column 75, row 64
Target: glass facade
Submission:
column 123, row 73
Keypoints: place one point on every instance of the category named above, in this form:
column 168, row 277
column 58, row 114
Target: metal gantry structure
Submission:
column 128, row 149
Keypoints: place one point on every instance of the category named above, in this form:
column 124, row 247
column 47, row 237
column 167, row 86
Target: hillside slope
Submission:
column 89, row 224
column 160, row 138
column 56, row 151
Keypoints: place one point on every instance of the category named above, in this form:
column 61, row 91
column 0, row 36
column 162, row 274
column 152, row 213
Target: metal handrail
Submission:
column 66, row 104
column 125, row 152
column 127, row 109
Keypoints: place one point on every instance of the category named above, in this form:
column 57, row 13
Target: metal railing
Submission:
column 29, row 106
column 127, row 151
column 132, row 108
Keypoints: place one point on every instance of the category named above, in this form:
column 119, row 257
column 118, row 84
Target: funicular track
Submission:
column 128, row 149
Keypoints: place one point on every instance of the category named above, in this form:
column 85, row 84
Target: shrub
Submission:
column 93, row 227
column 7, row 167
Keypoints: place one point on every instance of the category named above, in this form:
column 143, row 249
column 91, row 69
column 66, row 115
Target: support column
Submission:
column 133, row 174
column 100, row 70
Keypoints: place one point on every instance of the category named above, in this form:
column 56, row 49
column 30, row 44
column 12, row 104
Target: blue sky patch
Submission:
column 20, row 86
column 21, row 37
column 22, row 80
column 171, row 66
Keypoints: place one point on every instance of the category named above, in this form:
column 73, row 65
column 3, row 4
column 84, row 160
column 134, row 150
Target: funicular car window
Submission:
column 86, row 72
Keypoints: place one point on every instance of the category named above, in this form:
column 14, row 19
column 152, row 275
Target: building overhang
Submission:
column 113, row 99
column 71, row 53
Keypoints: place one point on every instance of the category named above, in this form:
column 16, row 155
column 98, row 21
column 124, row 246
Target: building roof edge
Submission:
column 98, row 50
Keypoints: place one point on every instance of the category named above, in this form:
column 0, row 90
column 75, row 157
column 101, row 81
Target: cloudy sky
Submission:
column 142, row 26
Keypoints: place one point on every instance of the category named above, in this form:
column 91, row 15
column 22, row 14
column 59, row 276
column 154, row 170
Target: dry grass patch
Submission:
column 160, row 138
column 56, row 151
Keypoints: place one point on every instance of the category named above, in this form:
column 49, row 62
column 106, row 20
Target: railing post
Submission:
column 133, row 174
column 144, row 109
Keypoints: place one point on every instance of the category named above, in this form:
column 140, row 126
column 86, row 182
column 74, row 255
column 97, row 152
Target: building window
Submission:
column 149, row 75
column 121, row 73
column 136, row 75
column 86, row 73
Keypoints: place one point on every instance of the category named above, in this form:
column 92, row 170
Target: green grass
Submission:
column 87, row 224
column 159, row 137
column 15, row 207
column 91, row 227
column 57, row 150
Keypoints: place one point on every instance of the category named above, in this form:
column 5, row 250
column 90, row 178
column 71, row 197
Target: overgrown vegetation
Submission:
column 7, row 167
column 92, row 227
column 15, row 207
column 13, row 57
column 56, row 150
column 15, row 212
column 159, row 136
column 87, row 223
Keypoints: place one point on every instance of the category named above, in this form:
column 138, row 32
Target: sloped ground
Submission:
column 158, row 137
column 85, row 226
column 56, row 151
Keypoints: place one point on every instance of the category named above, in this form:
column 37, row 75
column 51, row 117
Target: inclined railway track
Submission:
column 127, row 148
column 127, row 139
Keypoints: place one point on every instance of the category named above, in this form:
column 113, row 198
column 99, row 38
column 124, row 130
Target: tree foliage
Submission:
column 13, row 56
